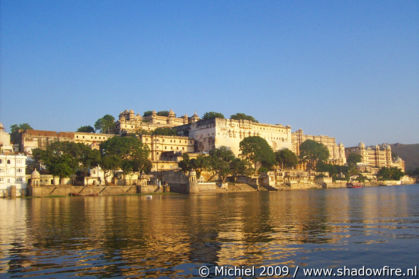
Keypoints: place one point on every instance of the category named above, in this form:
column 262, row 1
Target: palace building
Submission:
column 165, row 151
column 376, row 156
column 336, row 152
column 129, row 122
column 217, row 132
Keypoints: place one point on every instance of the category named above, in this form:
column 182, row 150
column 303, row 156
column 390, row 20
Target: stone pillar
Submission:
column 65, row 180
column 193, row 184
column 56, row 180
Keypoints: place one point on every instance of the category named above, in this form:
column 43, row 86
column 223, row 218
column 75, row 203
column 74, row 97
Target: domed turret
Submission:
column 1, row 126
column 194, row 117
column 361, row 145
column 35, row 174
column 171, row 113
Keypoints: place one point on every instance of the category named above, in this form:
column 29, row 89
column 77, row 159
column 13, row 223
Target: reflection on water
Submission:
column 171, row 235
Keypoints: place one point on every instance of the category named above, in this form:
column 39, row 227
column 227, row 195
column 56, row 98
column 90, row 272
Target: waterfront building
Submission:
column 129, row 122
column 376, row 156
column 12, row 168
column 336, row 152
column 165, row 151
column 217, row 132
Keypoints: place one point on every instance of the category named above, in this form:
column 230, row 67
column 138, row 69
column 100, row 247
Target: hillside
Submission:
column 409, row 153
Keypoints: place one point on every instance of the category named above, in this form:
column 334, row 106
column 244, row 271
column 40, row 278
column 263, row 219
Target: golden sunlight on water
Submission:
column 172, row 235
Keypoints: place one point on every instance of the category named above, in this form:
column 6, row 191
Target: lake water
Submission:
column 171, row 235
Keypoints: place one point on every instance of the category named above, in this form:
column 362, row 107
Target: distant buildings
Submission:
column 336, row 152
column 129, row 122
column 376, row 156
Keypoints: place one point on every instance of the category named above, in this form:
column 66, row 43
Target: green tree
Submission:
column 185, row 164
column 286, row 158
column 14, row 131
column 163, row 113
column 334, row 171
column 243, row 116
column 313, row 152
column 391, row 173
column 106, row 124
column 164, row 131
column 147, row 113
column 198, row 165
column 220, row 160
column 141, row 131
column 257, row 150
column 353, row 159
column 86, row 129
column 240, row 167
column 212, row 114
column 64, row 159
column 127, row 153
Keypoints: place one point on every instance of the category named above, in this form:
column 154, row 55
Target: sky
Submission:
column 346, row 69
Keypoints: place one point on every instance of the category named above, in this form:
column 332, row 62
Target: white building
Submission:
column 12, row 167
column 217, row 132
column 12, row 173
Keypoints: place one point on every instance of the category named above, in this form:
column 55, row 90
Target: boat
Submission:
column 354, row 185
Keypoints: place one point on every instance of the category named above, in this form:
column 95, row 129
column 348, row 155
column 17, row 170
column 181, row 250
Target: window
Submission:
column 1, row 161
column 8, row 161
column 1, row 179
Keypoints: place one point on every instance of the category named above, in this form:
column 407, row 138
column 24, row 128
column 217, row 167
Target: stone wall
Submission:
column 66, row 190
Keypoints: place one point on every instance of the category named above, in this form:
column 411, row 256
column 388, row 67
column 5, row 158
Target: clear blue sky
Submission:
column 348, row 69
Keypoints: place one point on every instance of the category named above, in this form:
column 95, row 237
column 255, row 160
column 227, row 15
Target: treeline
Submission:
column 256, row 157
column 65, row 159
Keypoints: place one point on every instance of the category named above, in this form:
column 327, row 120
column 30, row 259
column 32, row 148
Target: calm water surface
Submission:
column 172, row 235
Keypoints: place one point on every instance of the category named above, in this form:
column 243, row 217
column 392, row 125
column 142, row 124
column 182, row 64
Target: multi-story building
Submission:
column 12, row 168
column 91, row 139
column 129, row 122
column 165, row 151
column 376, row 157
column 217, row 132
column 32, row 139
column 336, row 152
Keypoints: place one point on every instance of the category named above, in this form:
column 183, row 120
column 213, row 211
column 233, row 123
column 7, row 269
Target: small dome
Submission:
column 171, row 113
column 131, row 111
column 362, row 145
column 35, row 174
column 1, row 126
column 195, row 115
column 185, row 116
